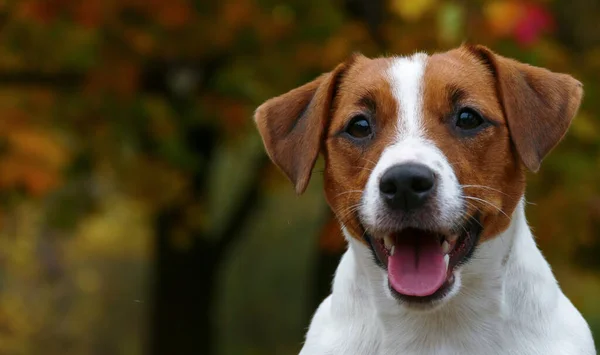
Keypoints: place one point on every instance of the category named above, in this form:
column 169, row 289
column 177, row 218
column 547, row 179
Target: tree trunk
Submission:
column 184, row 291
column 186, row 280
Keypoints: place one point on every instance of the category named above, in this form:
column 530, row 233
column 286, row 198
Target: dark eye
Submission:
column 359, row 127
column 468, row 119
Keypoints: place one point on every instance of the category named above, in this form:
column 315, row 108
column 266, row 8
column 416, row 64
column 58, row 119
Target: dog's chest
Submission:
column 371, row 340
column 439, row 336
column 360, row 333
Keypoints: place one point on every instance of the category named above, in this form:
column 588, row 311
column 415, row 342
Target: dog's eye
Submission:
column 468, row 119
column 359, row 127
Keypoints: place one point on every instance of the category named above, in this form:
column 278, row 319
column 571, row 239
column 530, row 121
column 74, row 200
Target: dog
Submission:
column 425, row 163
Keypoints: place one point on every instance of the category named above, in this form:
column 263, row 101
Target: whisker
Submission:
column 369, row 161
column 348, row 192
column 343, row 221
column 476, row 221
column 471, row 217
column 344, row 214
column 349, row 209
column 489, row 203
column 465, row 229
column 486, row 187
column 364, row 233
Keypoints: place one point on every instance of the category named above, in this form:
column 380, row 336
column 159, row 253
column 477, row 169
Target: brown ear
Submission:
column 539, row 105
column 292, row 125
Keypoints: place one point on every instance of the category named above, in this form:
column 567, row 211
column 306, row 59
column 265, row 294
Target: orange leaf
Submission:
column 37, row 146
column 38, row 181
column 175, row 13
column 37, row 11
column 503, row 16
column 34, row 160
column 89, row 13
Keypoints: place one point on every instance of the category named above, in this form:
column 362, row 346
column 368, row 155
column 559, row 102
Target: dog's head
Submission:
column 425, row 155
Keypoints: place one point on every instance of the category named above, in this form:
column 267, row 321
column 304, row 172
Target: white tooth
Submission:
column 447, row 260
column 445, row 247
column 392, row 250
column 387, row 240
column 452, row 237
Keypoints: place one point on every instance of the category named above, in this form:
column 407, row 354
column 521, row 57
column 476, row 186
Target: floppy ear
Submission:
column 292, row 125
column 539, row 105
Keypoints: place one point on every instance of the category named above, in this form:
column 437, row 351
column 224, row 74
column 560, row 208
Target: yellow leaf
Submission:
column 88, row 280
column 584, row 128
column 411, row 10
column 502, row 16
column 450, row 23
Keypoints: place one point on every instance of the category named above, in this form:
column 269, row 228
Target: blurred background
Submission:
column 138, row 212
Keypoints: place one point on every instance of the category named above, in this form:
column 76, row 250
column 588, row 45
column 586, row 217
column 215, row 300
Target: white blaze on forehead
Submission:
column 406, row 78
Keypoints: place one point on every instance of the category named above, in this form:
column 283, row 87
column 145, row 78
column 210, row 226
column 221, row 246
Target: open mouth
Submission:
column 420, row 263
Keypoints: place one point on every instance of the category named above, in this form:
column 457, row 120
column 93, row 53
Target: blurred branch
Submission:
column 64, row 80
column 4, row 16
column 183, row 77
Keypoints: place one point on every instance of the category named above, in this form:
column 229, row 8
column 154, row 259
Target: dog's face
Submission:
column 425, row 155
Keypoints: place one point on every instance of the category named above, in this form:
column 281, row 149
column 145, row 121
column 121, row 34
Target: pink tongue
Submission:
column 417, row 267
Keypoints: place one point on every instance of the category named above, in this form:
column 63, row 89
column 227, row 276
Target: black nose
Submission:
column 406, row 187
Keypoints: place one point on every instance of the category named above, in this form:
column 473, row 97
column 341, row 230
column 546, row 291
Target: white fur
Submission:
column 406, row 77
column 509, row 303
column 505, row 300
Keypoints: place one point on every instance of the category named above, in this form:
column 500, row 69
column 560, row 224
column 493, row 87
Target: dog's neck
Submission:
column 504, row 277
